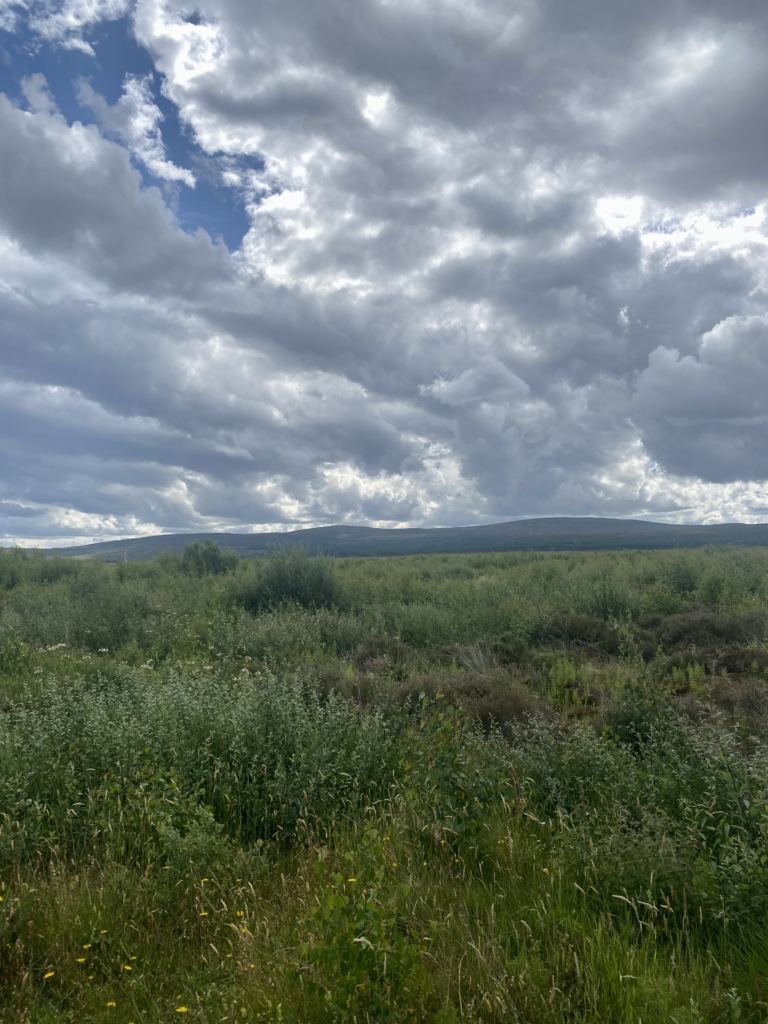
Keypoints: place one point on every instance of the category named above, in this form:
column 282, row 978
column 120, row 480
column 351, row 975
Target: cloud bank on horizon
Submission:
column 380, row 262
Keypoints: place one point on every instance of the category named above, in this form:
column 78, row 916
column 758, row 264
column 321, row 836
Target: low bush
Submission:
column 361, row 941
column 705, row 629
column 207, row 559
column 265, row 757
column 287, row 576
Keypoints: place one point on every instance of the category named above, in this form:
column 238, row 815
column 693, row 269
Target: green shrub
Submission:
column 452, row 778
column 15, row 656
column 289, row 575
column 264, row 755
column 605, row 596
column 662, row 600
column 207, row 559
column 360, row 942
column 13, row 567
column 656, row 798
column 681, row 573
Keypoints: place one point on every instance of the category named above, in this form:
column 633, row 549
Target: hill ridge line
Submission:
column 560, row 533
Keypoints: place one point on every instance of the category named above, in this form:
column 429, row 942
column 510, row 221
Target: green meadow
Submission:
column 516, row 787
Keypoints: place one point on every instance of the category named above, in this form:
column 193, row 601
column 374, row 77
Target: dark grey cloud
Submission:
column 10, row 510
column 504, row 259
column 706, row 414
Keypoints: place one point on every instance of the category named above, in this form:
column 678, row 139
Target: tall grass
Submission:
column 167, row 606
column 260, row 756
column 470, row 788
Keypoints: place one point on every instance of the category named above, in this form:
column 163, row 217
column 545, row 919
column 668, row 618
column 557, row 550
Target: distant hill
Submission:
column 556, row 534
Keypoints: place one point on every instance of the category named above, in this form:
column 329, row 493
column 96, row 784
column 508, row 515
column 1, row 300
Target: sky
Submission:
column 277, row 263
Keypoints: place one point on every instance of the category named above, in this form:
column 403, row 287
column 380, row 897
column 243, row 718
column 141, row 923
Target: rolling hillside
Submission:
column 556, row 534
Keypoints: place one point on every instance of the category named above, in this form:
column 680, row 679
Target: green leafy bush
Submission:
column 14, row 656
column 452, row 778
column 288, row 576
column 207, row 559
column 605, row 596
column 361, row 945
column 264, row 756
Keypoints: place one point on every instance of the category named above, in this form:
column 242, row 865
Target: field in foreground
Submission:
column 494, row 788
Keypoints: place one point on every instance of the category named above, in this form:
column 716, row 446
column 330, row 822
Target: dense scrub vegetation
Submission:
column 515, row 787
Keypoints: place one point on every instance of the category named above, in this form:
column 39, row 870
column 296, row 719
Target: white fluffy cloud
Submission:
column 62, row 22
column 68, row 191
column 501, row 260
column 135, row 120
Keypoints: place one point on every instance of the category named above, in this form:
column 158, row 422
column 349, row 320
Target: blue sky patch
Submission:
column 215, row 207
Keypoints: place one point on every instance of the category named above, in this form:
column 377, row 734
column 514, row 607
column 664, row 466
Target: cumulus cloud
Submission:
column 501, row 260
column 69, row 191
column 38, row 95
column 135, row 120
column 705, row 414
column 62, row 22
column 488, row 382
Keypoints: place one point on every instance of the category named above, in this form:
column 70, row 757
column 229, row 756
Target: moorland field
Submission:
column 480, row 788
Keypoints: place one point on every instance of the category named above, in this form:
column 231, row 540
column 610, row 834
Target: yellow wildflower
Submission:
column 50, row 974
column 181, row 1009
column 111, row 1003
column 81, row 959
column 203, row 913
